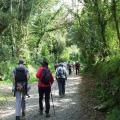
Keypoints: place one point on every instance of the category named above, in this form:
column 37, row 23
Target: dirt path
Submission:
column 74, row 106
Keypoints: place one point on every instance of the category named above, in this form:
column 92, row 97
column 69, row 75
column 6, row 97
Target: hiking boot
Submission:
column 28, row 95
column 47, row 115
column 41, row 112
column 17, row 117
column 63, row 95
column 23, row 114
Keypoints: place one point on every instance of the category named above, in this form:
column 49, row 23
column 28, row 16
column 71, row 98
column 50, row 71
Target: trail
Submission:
column 74, row 106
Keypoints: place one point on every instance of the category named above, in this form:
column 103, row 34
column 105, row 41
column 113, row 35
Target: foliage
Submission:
column 96, row 31
column 108, row 84
column 114, row 114
column 37, row 29
column 27, row 33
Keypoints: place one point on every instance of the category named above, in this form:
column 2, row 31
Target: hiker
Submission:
column 61, row 77
column 20, row 82
column 73, row 66
column 77, row 67
column 55, row 66
column 69, row 68
column 45, row 80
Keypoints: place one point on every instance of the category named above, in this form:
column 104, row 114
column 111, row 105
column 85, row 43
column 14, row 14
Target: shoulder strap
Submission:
column 44, row 72
column 20, row 75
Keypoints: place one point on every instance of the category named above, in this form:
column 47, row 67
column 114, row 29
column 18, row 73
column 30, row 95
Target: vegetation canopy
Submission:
column 87, row 31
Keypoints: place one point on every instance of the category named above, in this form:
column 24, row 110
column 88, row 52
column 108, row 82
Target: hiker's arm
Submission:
column 39, row 73
column 65, row 77
column 56, row 74
column 65, row 74
column 52, row 79
column 13, row 77
column 28, row 75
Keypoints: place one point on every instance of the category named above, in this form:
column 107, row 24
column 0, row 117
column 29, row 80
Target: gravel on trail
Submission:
column 75, row 105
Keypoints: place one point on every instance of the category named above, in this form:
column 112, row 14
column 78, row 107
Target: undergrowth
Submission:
column 107, row 78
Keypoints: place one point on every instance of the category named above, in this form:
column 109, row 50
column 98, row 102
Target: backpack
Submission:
column 20, row 80
column 60, row 72
column 77, row 65
column 46, row 76
column 20, row 75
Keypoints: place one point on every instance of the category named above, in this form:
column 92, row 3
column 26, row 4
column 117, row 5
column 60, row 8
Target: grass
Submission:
column 5, row 82
column 114, row 114
column 5, row 97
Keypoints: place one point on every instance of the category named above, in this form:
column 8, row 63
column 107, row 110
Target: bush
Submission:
column 107, row 74
column 114, row 114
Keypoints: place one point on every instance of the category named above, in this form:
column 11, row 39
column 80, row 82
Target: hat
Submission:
column 21, row 62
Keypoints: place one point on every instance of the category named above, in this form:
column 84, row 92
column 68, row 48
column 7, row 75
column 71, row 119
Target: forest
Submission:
column 87, row 31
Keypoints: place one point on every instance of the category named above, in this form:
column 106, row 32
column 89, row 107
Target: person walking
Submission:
column 61, row 77
column 20, row 82
column 45, row 80
column 56, row 65
column 77, row 67
column 70, row 68
column 73, row 66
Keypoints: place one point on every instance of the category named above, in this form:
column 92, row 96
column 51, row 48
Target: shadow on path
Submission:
column 74, row 106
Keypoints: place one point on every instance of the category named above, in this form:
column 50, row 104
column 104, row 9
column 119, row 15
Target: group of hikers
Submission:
column 45, row 81
column 74, row 66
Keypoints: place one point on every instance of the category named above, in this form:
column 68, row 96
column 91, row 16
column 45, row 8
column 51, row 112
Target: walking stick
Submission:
column 53, row 103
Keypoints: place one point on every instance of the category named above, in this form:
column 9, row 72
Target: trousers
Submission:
column 46, row 92
column 20, row 103
column 61, row 86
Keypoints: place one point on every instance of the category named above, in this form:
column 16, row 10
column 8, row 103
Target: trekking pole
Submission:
column 52, row 102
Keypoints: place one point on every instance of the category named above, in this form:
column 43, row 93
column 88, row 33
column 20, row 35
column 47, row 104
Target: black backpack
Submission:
column 20, row 75
column 46, row 76
column 20, row 79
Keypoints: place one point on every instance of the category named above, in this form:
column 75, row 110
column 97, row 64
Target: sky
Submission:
column 75, row 4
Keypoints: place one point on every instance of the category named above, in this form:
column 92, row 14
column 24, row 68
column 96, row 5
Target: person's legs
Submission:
column 28, row 89
column 76, row 71
column 70, row 71
column 41, row 93
column 23, row 104
column 63, row 87
column 47, row 100
column 60, row 87
column 18, row 103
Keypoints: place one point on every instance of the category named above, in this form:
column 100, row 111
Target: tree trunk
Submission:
column 11, row 28
column 102, row 23
column 115, row 19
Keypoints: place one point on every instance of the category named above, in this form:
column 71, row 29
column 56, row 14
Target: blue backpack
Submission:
column 60, row 72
